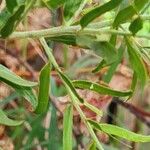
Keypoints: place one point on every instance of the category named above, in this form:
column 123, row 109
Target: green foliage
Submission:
column 67, row 128
column 103, row 49
column 77, row 30
column 120, row 132
column 98, row 11
column 70, row 85
column 137, row 63
column 53, row 4
column 136, row 25
column 44, row 84
column 101, row 89
column 9, row 76
column 4, row 120
column 14, row 10
column 70, row 8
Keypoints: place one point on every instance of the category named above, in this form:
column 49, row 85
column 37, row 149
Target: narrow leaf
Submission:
column 113, row 67
column 128, row 12
column 67, row 39
column 4, row 120
column 92, row 146
column 99, row 66
column 101, row 89
column 28, row 94
column 136, row 25
column 17, row 8
column 67, row 128
column 139, row 4
column 70, row 8
column 23, row 91
column 94, row 109
column 124, row 15
column 53, row 4
column 71, row 86
column 6, row 74
column 120, row 132
column 96, row 12
column 44, row 85
column 11, row 5
column 137, row 63
column 102, row 49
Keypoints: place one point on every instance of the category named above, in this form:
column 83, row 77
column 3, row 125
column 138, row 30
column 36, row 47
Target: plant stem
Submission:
column 72, row 30
column 73, row 97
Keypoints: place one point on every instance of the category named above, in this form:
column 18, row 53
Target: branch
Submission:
column 71, row 30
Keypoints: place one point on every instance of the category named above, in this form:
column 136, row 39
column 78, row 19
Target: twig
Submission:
column 72, row 30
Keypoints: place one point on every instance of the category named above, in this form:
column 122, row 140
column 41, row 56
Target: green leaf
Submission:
column 92, row 146
column 139, row 4
column 101, row 89
column 67, row 128
column 71, row 86
column 55, row 138
column 53, row 4
column 128, row 12
column 4, row 17
column 70, row 8
column 44, row 85
column 120, row 132
column 134, row 82
column 102, row 49
column 7, row 75
column 66, row 39
column 136, row 25
column 137, row 63
column 12, row 14
column 4, row 120
column 11, row 5
column 15, row 11
column 99, row 66
column 113, row 66
column 96, row 12
column 124, row 15
column 28, row 94
column 93, row 108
